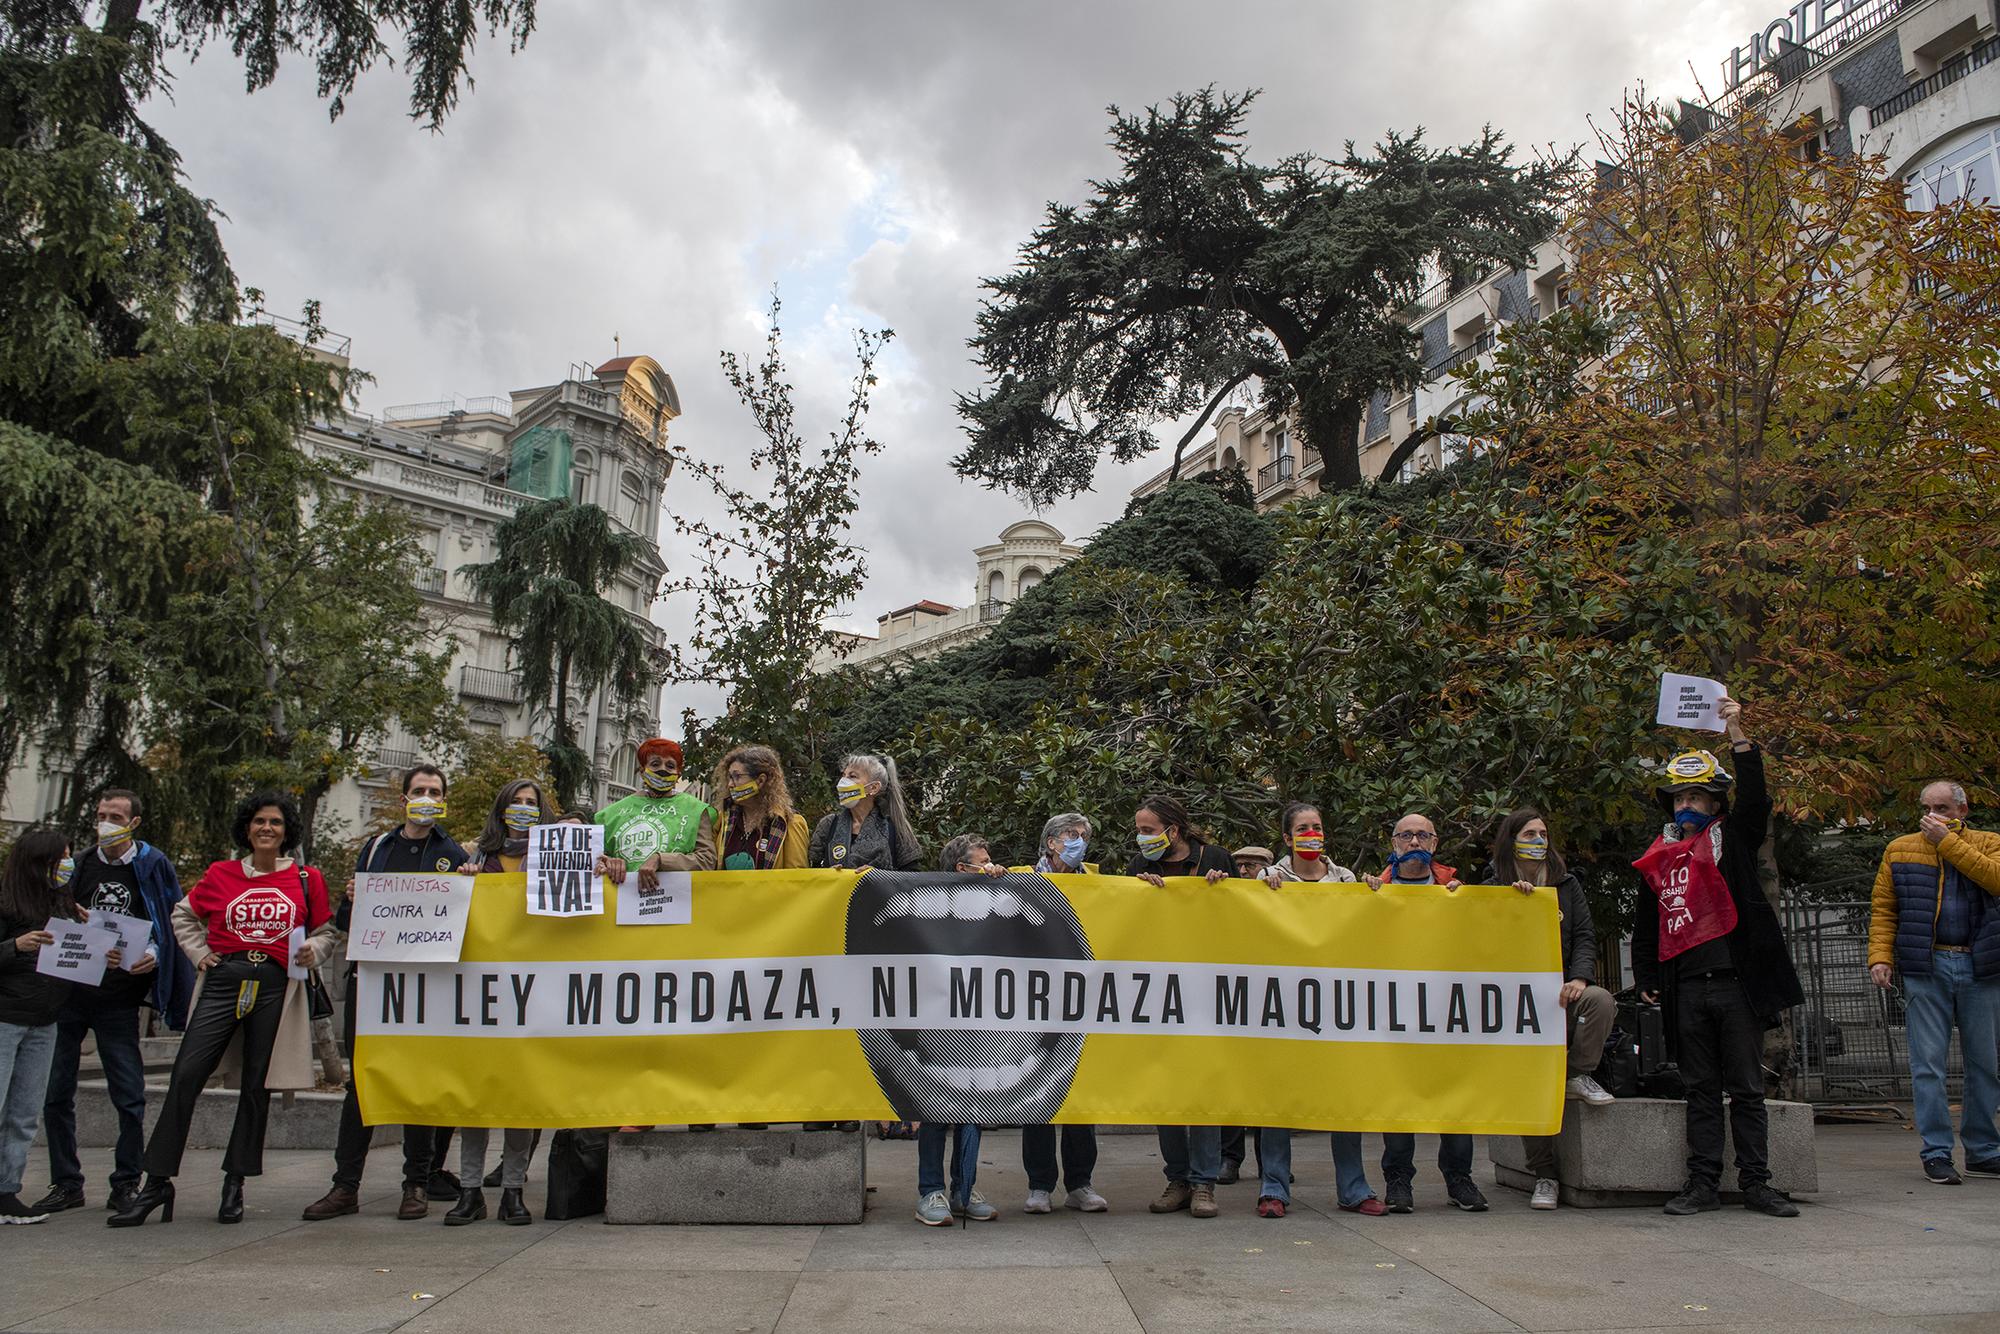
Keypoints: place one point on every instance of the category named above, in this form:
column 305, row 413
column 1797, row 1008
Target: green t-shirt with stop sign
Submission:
column 638, row 826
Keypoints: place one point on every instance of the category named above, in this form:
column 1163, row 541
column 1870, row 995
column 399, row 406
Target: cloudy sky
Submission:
column 651, row 168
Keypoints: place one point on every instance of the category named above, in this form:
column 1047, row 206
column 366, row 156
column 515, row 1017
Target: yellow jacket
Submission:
column 1903, row 925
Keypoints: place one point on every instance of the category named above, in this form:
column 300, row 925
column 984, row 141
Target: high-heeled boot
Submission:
column 158, row 1194
column 471, row 1207
column 231, row 1208
column 512, row 1211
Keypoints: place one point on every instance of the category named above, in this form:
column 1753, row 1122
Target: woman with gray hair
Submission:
column 1065, row 844
column 872, row 828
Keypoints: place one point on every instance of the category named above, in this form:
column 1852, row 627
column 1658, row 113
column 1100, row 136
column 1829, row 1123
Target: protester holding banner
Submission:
column 34, row 887
column 416, row 846
column 761, row 831
column 1413, row 861
column 132, row 879
column 241, row 924
column 658, row 828
column 1523, row 858
column 1065, row 845
column 1935, row 917
column 1707, row 940
column 1170, row 844
column 1305, row 862
column 872, row 826
column 517, row 808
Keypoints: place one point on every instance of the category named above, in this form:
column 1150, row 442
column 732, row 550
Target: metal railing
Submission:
column 1947, row 74
column 431, row 581
column 491, row 405
column 992, row 609
column 485, row 683
column 1276, row 473
column 1457, row 357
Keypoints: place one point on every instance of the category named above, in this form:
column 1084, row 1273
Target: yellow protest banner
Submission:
column 832, row 995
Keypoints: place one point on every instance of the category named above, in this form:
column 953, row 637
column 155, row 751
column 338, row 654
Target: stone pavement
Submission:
column 1877, row 1250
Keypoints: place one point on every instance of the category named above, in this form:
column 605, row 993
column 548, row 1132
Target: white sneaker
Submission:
column 1087, row 1200
column 1545, row 1194
column 934, row 1210
column 1592, row 1092
column 1038, row 1203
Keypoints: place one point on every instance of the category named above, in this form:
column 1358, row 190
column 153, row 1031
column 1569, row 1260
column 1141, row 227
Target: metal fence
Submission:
column 1849, row 1041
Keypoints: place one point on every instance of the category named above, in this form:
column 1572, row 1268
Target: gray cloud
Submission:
column 652, row 169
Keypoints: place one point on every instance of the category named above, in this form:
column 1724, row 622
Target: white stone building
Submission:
column 1026, row 553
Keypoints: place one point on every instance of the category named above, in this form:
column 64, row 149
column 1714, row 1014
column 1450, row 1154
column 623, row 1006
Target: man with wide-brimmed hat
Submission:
column 1707, row 939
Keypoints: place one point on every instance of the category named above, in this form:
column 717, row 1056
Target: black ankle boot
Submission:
column 158, row 1194
column 512, row 1211
column 471, row 1207
column 231, row 1208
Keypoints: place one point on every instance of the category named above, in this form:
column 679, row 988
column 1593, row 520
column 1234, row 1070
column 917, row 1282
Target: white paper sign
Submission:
column 561, row 881
column 78, row 954
column 1690, row 701
column 669, row 903
column 293, row 944
column 134, row 934
column 404, row 918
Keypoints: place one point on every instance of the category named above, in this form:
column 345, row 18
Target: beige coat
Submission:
column 292, row 1065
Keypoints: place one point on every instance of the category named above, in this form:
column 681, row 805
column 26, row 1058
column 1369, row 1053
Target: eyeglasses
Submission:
column 1411, row 836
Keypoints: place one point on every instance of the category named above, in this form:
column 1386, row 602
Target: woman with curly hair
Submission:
column 761, row 831
column 236, row 926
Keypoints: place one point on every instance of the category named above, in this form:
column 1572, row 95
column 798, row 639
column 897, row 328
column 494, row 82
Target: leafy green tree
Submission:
column 775, row 568
column 552, row 563
column 1196, row 270
column 120, row 360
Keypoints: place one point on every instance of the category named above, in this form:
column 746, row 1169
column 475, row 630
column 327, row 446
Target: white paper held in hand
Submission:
column 1690, row 701
column 669, row 903
column 134, row 934
column 78, row 954
column 293, row 944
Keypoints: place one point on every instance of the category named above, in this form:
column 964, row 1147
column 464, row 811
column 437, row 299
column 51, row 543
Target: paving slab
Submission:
column 1898, row 1280
column 590, row 1244
column 1083, row 1297
column 219, row 1296
column 1279, row 1289
column 646, row 1301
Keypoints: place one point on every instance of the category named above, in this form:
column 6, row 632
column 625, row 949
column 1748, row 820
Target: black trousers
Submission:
column 1722, row 1051
column 1038, row 1155
column 424, row 1147
column 1234, row 1140
column 209, row 1028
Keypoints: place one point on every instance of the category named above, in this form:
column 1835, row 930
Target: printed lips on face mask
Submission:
column 1308, row 844
column 657, row 781
column 1154, row 846
column 64, row 870
column 851, row 790
column 1531, row 849
column 745, row 790
column 521, row 816
column 423, row 810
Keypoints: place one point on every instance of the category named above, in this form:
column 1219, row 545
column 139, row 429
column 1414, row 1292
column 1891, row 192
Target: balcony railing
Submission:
column 431, row 581
column 1948, row 73
column 1452, row 360
column 1276, row 473
column 992, row 609
column 485, row 683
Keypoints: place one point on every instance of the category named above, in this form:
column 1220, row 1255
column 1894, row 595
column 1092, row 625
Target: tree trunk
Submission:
column 1215, row 400
column 1333, row 428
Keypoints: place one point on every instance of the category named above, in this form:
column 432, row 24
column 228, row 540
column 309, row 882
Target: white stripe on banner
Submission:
column 598, row 998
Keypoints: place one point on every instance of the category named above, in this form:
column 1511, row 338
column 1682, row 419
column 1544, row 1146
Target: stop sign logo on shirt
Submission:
column 260, row 916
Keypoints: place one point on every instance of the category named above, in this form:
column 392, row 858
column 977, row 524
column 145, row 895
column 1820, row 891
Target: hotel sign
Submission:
column 1796, row 27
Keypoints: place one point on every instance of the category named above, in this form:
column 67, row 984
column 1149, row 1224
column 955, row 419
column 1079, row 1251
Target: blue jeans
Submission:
column 24, row 1074
column 1399, row 1157
column 931, row 1137
column 1191, row 1155
column 117, row 1029
column 1349, row 1176
column 1274, row 1159
column 1951, row 995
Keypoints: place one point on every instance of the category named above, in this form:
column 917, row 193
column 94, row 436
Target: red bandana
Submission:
column 1695, row 903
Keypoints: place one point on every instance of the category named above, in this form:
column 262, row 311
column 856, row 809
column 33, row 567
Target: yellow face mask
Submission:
column 424, row 810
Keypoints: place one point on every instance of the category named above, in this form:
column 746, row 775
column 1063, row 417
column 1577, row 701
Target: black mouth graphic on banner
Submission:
column 964, row 1076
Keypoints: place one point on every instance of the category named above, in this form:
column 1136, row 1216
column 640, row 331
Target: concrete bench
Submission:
column 1634, row 1152
column 298, row 1120
column 737, row 1176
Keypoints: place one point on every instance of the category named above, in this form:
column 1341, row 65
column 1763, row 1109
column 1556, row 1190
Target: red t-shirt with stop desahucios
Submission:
column 257, row 912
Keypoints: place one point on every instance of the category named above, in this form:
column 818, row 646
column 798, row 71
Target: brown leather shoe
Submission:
column 1173, row 1199
column 416, row 1203
column 1202, row 1203
column 340, row 1200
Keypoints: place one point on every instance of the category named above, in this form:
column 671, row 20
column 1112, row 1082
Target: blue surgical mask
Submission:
column 1072, row 851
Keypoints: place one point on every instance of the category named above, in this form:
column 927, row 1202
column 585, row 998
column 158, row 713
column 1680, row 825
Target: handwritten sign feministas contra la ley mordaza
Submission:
column 562, row 881
column 1690, row 701
column 78, row 954
column 403, row 918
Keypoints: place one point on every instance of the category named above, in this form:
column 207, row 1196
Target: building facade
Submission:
column 1026, row 553
column 1914, row 81
column 460, row 469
